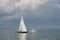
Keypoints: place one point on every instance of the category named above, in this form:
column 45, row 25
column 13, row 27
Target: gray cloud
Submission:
column 43, row 12
column 44, row 9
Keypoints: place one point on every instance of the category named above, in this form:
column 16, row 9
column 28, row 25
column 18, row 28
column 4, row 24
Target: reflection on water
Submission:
column 11, row 34
column 22, row 36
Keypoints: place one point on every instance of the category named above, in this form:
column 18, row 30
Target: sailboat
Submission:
column 22, row 27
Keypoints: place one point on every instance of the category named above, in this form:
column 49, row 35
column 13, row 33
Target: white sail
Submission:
column 22, row 27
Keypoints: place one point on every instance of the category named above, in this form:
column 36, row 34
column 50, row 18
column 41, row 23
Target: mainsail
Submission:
column 22, row 27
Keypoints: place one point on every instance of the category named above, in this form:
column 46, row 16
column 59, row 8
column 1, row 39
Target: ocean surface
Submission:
column 40, row 34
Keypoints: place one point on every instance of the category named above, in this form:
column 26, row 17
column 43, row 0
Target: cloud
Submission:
column 32, row 3
column 9, row 5
column 14, row 16
column 36, row 11
column 34, row 8
column 9, row 18
column 57, row 5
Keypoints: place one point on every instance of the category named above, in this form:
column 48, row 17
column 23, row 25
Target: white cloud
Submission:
column 9, row 6
column 32, row 3
column 8, row 9
column 4, row 2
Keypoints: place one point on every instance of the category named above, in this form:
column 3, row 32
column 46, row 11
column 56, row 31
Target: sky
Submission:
column 45, row 13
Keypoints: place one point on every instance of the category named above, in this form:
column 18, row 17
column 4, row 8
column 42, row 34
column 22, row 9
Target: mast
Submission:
column 22, row 27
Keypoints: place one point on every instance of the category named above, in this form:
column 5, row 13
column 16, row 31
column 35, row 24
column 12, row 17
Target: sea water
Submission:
column 41, row 34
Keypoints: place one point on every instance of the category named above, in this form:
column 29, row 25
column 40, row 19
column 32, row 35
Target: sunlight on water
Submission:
column 43, row 34
column 22, row 36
